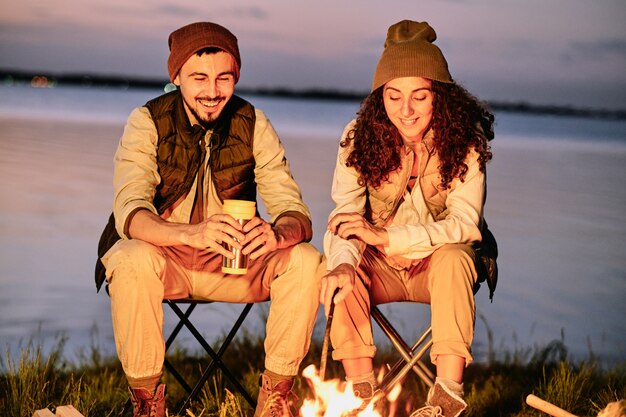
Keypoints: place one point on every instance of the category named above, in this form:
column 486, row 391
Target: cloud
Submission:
column 600, row 48
column 504, row 51
column 253, row 12
column 176, row 10
column 198, row 12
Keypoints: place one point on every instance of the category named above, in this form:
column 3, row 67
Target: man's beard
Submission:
column 203, row 121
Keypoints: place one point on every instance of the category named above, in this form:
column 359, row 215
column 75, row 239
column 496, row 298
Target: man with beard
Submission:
column 181, row 155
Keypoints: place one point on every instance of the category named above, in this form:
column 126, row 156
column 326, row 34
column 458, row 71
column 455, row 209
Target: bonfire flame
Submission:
column 334, row 398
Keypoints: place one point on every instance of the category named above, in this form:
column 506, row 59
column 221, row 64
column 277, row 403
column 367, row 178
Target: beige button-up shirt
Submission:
column 413, row 232
column 136, row 175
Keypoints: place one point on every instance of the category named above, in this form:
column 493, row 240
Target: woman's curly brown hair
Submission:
column 460, row 123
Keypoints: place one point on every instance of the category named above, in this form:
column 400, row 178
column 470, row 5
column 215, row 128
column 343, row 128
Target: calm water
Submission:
column 556, row 200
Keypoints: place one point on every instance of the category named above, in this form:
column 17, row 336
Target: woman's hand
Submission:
column 353, row 225
column 340, row 280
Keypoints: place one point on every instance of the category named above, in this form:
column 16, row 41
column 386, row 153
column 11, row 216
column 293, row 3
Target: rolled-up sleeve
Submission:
column 135, row 175
column 277, row 188
column 349, row 197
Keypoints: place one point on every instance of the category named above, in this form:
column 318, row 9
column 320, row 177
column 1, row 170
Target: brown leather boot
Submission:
column 146, row 404
column 274, row 402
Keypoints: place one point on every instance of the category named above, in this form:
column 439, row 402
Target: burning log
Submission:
column 335, row 398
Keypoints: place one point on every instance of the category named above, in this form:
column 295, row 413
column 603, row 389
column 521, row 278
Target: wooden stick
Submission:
column 326, row 339
column 546, row 407
column 44, row 412
column 61, row 411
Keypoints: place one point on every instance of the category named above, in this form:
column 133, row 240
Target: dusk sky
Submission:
column 562, row 52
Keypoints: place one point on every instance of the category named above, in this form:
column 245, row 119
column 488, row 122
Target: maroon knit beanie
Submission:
column 188, row 40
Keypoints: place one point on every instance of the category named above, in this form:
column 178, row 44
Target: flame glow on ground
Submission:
column 336, row 398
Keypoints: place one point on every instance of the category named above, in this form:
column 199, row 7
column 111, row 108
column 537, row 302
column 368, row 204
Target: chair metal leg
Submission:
column 180, row 324
column 401, row 367
column 177, row 376
column 410, row 355
column 216, row 360
column 169, row 342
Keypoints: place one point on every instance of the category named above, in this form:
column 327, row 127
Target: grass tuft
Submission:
column 96, row 384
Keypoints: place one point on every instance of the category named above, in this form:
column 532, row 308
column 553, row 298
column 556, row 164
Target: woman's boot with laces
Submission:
column 441, row 402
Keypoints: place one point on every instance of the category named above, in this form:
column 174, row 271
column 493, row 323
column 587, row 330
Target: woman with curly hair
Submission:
column 409, row 188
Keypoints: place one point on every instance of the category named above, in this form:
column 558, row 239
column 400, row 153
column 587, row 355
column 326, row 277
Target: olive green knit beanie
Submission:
column 410, row 52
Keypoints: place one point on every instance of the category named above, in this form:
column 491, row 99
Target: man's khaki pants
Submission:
column 141, row 275
column 445, row 280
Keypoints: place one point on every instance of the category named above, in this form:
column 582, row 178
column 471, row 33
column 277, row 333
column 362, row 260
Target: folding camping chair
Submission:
column 487, row 270
column 411, row 357
column 216, row 357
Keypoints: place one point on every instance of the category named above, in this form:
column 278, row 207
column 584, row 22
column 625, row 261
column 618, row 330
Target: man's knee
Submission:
column 133, row 260
column 307, row 258
column 308, row 254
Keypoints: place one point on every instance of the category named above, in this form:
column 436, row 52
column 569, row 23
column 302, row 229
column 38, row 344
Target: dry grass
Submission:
column 96, row 386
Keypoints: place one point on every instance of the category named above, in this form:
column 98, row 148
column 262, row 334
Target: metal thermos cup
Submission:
column 242, row 211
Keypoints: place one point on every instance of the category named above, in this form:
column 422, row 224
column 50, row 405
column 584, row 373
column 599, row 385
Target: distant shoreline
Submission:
column 43, row 80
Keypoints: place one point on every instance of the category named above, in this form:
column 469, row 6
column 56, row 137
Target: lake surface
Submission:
column 556, row 197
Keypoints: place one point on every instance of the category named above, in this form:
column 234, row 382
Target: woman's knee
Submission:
column 455, row 262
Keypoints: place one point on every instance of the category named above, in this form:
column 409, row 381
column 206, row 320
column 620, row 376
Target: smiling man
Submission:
column 181, row 155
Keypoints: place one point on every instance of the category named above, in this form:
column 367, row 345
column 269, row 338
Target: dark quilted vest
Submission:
column 179, row 156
